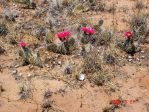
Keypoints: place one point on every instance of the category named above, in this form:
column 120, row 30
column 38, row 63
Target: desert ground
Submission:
column 52, row 82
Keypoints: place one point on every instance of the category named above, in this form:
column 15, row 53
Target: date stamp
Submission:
column 118, row 102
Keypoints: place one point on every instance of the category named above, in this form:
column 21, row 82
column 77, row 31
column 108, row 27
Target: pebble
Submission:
column 16, row 66
column 20, row 74
column 46, row 65
column 59, row 62
column 81, row 77
column 129, row 57
column 14, row 71
column 142, row 57
column 130, row 60
column 54, row 62
column 29, row 75
column 119, row 59
column 138, row 59
column 142, row 52
column 31, row 66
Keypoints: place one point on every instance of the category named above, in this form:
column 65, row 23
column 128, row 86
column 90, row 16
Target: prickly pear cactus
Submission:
column 98, row 26
column 37, row 60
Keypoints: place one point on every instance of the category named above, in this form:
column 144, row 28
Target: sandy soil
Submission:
column 131, row 80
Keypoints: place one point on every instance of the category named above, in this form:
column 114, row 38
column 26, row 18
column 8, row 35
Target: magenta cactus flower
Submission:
column 22, row 44
column 64, row 35
column 88, row 30
column 128, row 34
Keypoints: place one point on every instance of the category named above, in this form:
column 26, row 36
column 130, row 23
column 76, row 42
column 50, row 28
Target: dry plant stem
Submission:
column 114, row 28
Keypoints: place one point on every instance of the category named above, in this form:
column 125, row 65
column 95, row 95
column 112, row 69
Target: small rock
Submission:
column 29, row 75
column 20, row 74
column 16, row 66
column 14, row 71
column 59, row 62
column 81, row 77
column 54, row 62
column 73, row 63
column 46, row 65
column 119, row 59
column 31, row 66
column 130, row 60
column 138, row 59
column 142, row 52
column 142, row 57
column 130, row 57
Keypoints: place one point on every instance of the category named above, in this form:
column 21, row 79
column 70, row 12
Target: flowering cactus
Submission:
column 28, row 56
column 67, row 42
column 88, row 30
column 25, row 52
column 129, row 44
column 88, row 35
column 63, row 36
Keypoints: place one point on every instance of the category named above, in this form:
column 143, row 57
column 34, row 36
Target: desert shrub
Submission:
column 91, row 62
column 3, row 30
column 25, row 92
column 79, row 8
column 97, row 6
column 111, row 9
column 111, row 108
column 139, row 26
column 67, row 2
column 47, row 94
column 2, row 50
column 47, row 106
column 100, row 77
column 40, row 32
column 100, row 6
column 26, row 2
column 139, row 5
column 104, row 38
column 109, row 58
